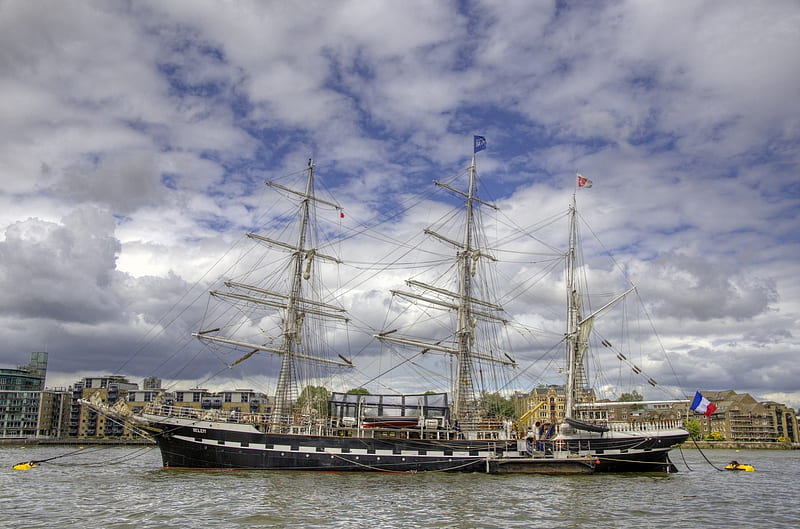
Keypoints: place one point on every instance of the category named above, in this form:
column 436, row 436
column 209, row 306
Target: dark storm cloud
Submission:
column 65, row 272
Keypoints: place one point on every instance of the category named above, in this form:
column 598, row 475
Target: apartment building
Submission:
column 85, row 422
column 20, row 397
column 741, row 418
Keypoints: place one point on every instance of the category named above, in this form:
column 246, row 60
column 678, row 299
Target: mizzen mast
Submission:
column 574, row 361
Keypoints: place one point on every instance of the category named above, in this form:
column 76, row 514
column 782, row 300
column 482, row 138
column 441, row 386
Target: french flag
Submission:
column 702, row 405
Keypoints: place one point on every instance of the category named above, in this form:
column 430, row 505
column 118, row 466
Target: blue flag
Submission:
column 480, row 143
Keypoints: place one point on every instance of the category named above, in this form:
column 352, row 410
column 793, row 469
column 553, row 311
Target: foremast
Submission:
column 294, row 304
column 286, row 389
column 466, row 408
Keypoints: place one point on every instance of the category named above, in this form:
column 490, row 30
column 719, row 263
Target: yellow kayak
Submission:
column 25, row 466
column 738, row 466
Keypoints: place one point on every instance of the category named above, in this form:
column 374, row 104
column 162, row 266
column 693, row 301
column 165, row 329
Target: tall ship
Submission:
column 450, row 327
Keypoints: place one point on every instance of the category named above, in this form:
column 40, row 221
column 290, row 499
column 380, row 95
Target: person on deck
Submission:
column 538, row 432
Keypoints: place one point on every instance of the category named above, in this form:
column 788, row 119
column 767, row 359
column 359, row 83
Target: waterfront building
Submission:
column 545, row 404
column 20, row 397
column 85, row 422
column 242, row 400
column 54, row 412
column 741, row 418
column 29, row 410
column 785, row 421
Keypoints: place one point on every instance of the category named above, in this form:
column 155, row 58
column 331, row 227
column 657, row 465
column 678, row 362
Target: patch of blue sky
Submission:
column 93, row 158
column 343, row 74
column 240, row 106
column 188, row 76
column 157, row 132
column 121, row 219
column 673, row 230
column 169, row 180
column 649, row 137
column 216, row 223
column 273, row 146
column 181, row 85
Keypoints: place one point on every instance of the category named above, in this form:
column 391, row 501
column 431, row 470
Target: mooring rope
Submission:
column 704, row 456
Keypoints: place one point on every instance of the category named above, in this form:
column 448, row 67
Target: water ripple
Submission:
column 125, row 488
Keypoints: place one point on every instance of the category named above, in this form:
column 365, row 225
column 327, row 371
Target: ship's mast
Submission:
column 293, row 305
column 286, row 390
column 573, row 317
column 464, row 405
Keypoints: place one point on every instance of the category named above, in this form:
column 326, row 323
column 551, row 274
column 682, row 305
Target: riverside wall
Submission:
column 36, row 441
column 732, row 445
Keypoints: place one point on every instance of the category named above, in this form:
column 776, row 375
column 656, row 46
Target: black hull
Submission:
column 188, row 447
column 231, row 450
column 639, row 461
column 599, row 445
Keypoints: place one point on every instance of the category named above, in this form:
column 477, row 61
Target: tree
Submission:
column 694, row 427
column 497, row 405
column 358, row 391
column 313, row 399
column 633, row 396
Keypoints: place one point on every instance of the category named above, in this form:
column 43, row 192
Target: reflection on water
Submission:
column 126, row 488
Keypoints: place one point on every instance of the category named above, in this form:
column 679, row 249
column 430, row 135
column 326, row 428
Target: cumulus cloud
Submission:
column 699, row 288
column 135, row 139
column 61, row 271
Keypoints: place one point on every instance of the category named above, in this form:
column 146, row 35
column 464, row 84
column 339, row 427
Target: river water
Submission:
column 126, row 488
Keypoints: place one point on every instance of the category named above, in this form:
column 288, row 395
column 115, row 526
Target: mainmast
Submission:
column 464, row 405
column 468, row 309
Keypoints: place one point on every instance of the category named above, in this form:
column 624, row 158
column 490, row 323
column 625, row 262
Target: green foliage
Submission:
column 497, row 405
column 313, row 400
column 714, row 436
column 694, row 427
column 633, row 396
column 358, row 391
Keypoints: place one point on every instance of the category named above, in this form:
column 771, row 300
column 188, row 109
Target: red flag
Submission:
column 583, row 182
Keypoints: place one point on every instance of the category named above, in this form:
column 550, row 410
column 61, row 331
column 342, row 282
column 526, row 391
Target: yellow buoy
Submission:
column 25, row 466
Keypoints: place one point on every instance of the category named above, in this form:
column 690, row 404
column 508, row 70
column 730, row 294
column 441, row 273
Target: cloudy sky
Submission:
column 136, row 137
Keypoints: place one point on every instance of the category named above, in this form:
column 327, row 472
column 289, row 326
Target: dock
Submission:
column 540, row 465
